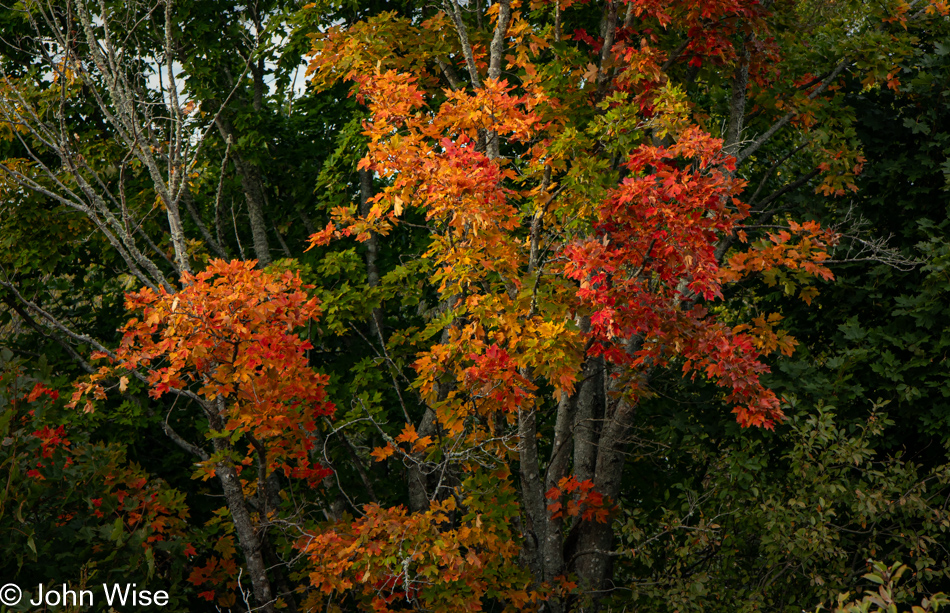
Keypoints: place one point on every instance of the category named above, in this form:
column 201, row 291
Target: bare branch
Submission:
column 781, row 123
column 858, row 245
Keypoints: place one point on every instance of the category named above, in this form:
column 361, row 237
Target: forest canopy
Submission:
column 519, row 305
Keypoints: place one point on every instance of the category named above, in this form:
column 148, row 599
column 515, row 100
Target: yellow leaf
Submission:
column 591, row 73
column 381, row 453
column 408, row 434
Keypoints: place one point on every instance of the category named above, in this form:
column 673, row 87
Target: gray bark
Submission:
column 450, row 75
column 535, row 504
column 497, row 48
column 419, row 486
column 608, row 32
column 455, row 12
column 585, row 419
column 372, row 253
column 496, row 54
column 243, row 525
column 253, row 187
column 595, row 540
column 214, row 245
column 737, row 100
column 372, row 244
column 247, row 536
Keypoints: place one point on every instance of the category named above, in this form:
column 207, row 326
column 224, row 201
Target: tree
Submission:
column 485, row 167
column 561, row 210
column 644, row 256
column 227, row 342
column 720, row 533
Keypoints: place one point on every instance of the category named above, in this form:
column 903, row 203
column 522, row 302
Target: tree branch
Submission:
column 781, row 123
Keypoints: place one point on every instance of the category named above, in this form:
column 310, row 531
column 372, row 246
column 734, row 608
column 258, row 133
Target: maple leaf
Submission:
column 227, row 332
column 381, row 453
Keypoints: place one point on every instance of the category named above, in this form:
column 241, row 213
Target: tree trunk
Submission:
column 372, row 250
column 243, row 525
column 253, row 187
column 594, row 539
column 737, row 100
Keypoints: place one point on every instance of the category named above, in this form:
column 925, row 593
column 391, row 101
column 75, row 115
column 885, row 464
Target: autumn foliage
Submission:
column 446, row 558
column 532, row 247
column 229, row 336
column 534, row 294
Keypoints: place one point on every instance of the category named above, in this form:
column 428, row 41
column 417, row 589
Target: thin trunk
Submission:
column 418, row 480
column 259, row 86
column 286, row 591
column 253, row 188
column 551, row 538
column 450, row 74
column 628, row 18
column 740, row 82
column 497, row 48
column 372, row 250
column 219, row 201
column 608, row 33
column 586, row 420
column 247, row 536
column 257, row 71
column 243, row 524
column 595, row 540
column 372, row 244
column 253, row 191
column 331, row 483
column 307, row 222
column 177, row 232
column 496, row 55
column 535, row 507
column 496, row 52
column 282, row 242
column 455, row 12
column 544, row 547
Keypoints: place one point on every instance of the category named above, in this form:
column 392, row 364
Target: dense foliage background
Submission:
column 549, row 305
